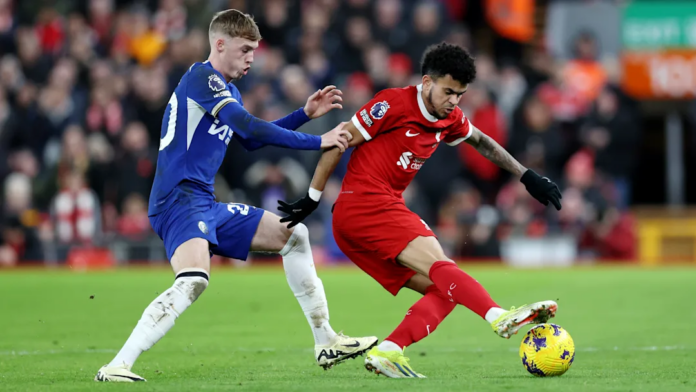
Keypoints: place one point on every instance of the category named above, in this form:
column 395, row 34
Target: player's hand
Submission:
column 337, row 137
column 323, row 101
column 297, row 211
column 542, row 189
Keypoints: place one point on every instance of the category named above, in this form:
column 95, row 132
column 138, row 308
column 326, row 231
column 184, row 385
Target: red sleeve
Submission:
column 382, row 113
column 460, row 130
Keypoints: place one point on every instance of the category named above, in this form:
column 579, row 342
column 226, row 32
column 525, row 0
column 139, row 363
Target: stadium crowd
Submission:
column 84, row 85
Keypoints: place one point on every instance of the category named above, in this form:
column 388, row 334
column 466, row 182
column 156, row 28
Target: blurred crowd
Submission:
column 84, row 85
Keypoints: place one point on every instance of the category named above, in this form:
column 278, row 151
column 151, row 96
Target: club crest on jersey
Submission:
column 379, row 110
column 203, row 227
column 215, row 83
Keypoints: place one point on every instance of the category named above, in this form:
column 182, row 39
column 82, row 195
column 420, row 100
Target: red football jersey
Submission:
column 400, row 135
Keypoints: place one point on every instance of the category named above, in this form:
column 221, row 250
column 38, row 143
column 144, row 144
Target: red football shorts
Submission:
column 372, row 233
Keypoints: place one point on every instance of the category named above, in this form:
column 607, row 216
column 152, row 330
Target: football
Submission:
column 547, row 350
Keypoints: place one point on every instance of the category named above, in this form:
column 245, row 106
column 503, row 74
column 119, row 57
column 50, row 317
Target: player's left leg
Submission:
column 191, row 265
column 420, row 321
column 422, row 318
column 293, row 245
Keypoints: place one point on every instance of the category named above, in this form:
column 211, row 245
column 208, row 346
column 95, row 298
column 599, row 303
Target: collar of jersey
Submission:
column 421, row 105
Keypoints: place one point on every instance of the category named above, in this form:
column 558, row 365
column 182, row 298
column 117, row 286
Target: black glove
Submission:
column 297, row 211
column 542, row 189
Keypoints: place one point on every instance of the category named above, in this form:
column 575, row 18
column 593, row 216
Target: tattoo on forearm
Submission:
column 495, row 153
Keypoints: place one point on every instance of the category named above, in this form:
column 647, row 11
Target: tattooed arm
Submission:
column 490, row 149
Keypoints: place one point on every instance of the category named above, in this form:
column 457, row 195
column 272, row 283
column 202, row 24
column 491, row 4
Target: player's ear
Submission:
column 427, row 80
column 220, row 44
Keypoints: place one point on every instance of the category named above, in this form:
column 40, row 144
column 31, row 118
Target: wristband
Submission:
column 314, row 194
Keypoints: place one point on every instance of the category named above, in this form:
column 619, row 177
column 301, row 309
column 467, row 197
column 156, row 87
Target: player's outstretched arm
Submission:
column 494, row 152
column 254, row 129
column 541, row 188
column 318, row 104
column 301, row 209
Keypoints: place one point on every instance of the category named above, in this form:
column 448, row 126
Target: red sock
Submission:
column 461, row 288
column 423, row 317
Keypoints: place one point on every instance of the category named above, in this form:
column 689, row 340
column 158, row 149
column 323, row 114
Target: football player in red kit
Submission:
column 393, row 135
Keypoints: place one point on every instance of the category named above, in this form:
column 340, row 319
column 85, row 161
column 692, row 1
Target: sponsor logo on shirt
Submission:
column 215, row 83
column 366, row 118
column 225, row 93
column 222, row 131
column 408, row 161
column 379, row 110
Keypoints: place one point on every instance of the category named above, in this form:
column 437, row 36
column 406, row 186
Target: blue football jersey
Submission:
column 193, row 141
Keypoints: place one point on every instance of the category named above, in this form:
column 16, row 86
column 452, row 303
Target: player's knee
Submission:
column 192, row 282
column 192, row 254
column 298, row 241
column 300, row 231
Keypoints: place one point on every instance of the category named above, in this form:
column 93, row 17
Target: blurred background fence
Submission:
column 597, row 95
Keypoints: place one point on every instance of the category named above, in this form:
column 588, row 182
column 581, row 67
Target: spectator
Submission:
column 376, row 58
column 510, row 90
column 274, row 21
column 481, row 110
column 76, row 211
column 426, row 29
column 19, row 240
column 35, row 65
column 135, row 164
column 74, row 158
column 49, row 30
column 146, row 44
column 400, row 70
column 389, row 26
column 134, row 222
column 170, row 19
column 150, row 101
column 614, row 135
column 536, row 138
column 565, row 102
column 101, row 17
column 358, row 33
column 585, row 75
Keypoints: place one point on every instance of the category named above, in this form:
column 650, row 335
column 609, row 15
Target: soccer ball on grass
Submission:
column 547, row 350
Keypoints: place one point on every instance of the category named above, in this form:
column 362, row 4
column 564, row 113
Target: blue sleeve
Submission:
column 207, row 89
column 253, row 129
column 293, row 120
column 249, row 145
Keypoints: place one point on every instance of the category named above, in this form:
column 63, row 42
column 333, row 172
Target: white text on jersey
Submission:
column 405, row 161
column 224, row 132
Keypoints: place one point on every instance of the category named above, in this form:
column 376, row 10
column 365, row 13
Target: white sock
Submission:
column 306, row 285
column 493, row 314
column 159, row 316
column 387, row 345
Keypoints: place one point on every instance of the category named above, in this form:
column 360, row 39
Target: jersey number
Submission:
column 171, row 123
column 243, row 209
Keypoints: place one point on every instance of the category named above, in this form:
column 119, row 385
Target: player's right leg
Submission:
column 293, row 245
column 425, row 256
column 191, row 265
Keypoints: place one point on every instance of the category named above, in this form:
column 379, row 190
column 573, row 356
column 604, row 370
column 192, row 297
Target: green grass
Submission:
column 633, row 329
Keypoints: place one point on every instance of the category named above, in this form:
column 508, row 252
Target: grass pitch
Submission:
column 633, row 329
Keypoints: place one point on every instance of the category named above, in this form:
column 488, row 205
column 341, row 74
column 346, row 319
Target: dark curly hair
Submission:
column 442, row 59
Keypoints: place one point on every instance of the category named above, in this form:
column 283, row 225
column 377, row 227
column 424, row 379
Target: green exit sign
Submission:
column 659, row 24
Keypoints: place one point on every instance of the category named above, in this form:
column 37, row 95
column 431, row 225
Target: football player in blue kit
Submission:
column 203, row 115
